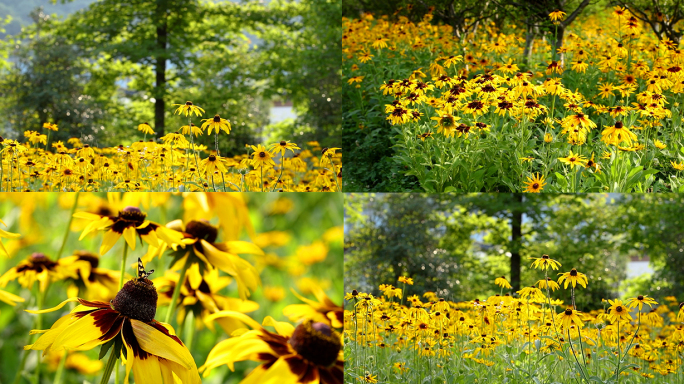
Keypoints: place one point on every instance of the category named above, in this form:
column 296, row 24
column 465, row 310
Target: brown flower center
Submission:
column 202, row 230
column 316, row 342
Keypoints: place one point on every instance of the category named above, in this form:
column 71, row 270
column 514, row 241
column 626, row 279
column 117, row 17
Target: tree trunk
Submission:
column 160, row 83
column 516, row 239
column 558, row 44
column 529, row 39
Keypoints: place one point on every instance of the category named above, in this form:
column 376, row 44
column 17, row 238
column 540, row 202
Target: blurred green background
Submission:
column 286, row 227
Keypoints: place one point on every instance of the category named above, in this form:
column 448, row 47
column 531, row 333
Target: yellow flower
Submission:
column 557, row 15
column 261, row 157
column 639, row 301
column 188, row 108
column 618, row 311
column 191, row 129
column 678, row 166
column 146, row 129
column 311, row 347
column 153, row 351
column 573, row 277
column 659, row 144
column 10, row 298
column 568, row 318
column 406, row 280
column 130, row 221
column 38, row 267
column 573, row 160
column 535, row 184
column 216, row 123
column 502, row 282
column 545, row 262
column 283, row 146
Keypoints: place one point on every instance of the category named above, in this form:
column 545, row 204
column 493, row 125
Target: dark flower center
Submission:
column 640, row 297
column 618, row 309
column 188, row 103
column 89, row 257
column 212, row 158
column 217, row 119
column 262, row 154
column 132, row 214
column 202, row 230
column 535, row 185
column 618, row 124
column 568, row 312
column 283, row 143
column 137, row 299
column 573, row 272
column 316, row 342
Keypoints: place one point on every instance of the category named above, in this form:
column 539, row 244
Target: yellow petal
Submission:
column 147, row 371
column 109, row 239
column 10, row 298
column 155, row 342
column 80, row 332
column 283, row 328
column 236, row 315
column 238, row 247
column 63, row 303
column 129, row 235
column 279, row 373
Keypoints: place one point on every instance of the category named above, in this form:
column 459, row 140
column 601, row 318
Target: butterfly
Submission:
column 142, row 274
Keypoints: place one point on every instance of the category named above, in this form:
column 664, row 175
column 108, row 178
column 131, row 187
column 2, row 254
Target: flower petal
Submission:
column 155, row 342
column 109, row 239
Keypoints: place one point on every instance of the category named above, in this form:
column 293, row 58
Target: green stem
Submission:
column 68, row 228
column 60, row 369
column 176, row 290
column 123, row 265
column 111, row 362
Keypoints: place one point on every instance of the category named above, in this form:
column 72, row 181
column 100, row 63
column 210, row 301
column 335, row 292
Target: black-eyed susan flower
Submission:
column 573, row 160
column 308, row 353
column 199, row 246
column 188, row 109
column 191, row 129
column 568, row 318
column 262, row 158
column 127, row 326
column 216, row 124
column 573, row 277
column 282, row 147
column 618, row 311
column 548, row 284
column 405, row 280
column 502, row 282
column 535, row 184
column 544, row 263
column 38, row 267
column 145, row 128
column 129, row 223
column 91, row 282
column 6, row 235
column 200, row 295
column 640, row 300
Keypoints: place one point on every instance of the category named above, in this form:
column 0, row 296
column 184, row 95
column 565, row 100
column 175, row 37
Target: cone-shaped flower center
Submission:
column 133, row 214
column 202, row 230
column 217, row 119
column 316, row 342
column 137, row 300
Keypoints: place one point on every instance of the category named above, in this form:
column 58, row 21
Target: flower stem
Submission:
column 123, row 266
column 60, row 369
column 176, row 290
column 111, row 362
column 68, row 228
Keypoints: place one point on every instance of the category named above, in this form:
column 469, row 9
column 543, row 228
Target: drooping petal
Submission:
column 283, row 328
column 236, row 315
column 108, row 240
column 279, row 373
column 155, row 342
column 148, row 371
column 129, row 235
column 87, row 329
column 60, row 305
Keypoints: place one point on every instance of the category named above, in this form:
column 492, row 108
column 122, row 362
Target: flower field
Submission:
column 534, row 337
column 174, row 163
column 476, row 114
column 170, row 288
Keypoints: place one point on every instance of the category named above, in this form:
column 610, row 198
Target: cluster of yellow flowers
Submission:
column 173, row 163
column 616, row 78
column 519, row 337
